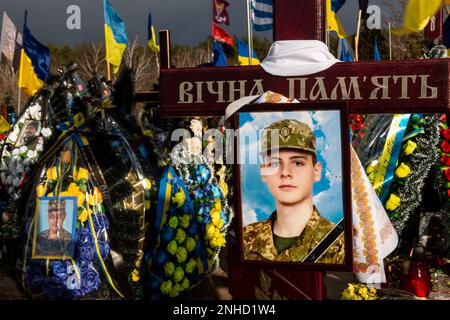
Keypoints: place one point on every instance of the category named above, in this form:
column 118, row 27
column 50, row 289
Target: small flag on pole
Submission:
column 376, row 50
column 345, row 51
column 220, row 13
column 115, row 36
column 221, row 35
column 151, row 35
column 334, row 23
column 219, row 58
column 34, row 62
column 417, row 15
column 262, row 15
column 243, row 55
column 336, row 5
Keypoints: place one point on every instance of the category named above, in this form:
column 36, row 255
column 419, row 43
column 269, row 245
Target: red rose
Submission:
column 443, row 118
column 448, row 193
column 445, row 146
column 447, row 174
column 446, row 134
column 445, row 160
column 2, row 136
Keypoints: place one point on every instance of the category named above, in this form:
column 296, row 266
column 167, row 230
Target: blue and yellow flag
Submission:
column 115, row 36
column 151, row 35
column 334, row 24
column 377, row 55
column 417, row 15
column 34, row 62
column 243, row 55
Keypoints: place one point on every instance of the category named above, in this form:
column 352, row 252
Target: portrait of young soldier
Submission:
column 30, row 133
column 55, row 241
column 289, row 169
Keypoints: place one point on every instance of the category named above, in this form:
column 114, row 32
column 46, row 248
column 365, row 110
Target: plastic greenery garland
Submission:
column 18, row 158
column 414, row 163
column 443, row 179
column 356, row 291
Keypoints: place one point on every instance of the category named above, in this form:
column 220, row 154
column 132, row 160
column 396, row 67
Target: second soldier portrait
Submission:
column 292, row 188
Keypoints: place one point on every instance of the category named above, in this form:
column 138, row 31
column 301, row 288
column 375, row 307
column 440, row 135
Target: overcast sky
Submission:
column 188, row 20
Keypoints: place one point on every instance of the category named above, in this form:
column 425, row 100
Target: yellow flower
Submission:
column 402, row 171
column 81, row 173
column 210, row 231
column 373, row 166
column 95, row 197
column 40, row 190
column 135, row 275
column 218, row 241
column 215, row 214
column 218, row 204
column 410, row 147
column 83, row 215
column 75, row 191
column 179, row 198
column 224, row 187
column 66, row 157
column 393, row 202
column 52, row 173
column 147, row 184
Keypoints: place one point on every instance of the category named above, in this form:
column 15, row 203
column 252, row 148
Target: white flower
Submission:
column 15, row 152
column 11, row 191
column 35, row 112
column 31, row 153
column 3, row 176
column 23, row 149
column 16, row 182
column 12, row 137
column 20, row 169
column 9, row 179
column 46, row 132
column 26, row 162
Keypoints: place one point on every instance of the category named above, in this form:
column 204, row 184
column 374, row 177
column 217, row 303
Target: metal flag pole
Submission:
column 250, row 32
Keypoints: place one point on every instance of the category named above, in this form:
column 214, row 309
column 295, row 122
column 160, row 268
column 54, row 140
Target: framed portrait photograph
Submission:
column 292, row 186
column 55, row 229
column 28, row 134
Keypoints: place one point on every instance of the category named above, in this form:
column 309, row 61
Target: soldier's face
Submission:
column 30, row 131
column 56, row 219
column 290, row 175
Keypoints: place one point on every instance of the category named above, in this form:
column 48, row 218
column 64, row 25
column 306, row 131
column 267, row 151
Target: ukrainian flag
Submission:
column 334, row 23
column 34, row 62
column 417, row 15
column 243, row 55
column 115, row 36
column 151, row 35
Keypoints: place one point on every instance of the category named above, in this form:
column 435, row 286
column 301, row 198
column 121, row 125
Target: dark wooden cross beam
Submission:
column 368, row 87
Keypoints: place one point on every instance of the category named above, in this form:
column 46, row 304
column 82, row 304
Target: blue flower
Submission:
column 87, row 252
column 84, row 238
column 167, row 234
column 90, row 281
column 202, row 174
column 83, row 264
column 59, row 268
column 199, row 194
column 204, row 210
column 100, row 222
column 161, row 257
column 224, row 216
column 104, row 248
column 154, row 283
column 73, row 283
column 214, row 190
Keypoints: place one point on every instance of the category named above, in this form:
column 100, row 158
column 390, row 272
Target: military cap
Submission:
column 292, row 134
column 56, row 205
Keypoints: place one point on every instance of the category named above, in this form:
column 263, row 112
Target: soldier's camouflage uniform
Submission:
column 259, row 244
column 53, row 247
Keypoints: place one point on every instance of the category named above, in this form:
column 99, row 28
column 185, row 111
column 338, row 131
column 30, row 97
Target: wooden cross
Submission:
column 369, row 87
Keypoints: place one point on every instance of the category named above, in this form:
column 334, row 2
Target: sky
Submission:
column 188, row 21
column 257, row 201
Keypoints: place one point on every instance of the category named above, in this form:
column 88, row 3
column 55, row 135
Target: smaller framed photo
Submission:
column 55, row 229
column 29, row 134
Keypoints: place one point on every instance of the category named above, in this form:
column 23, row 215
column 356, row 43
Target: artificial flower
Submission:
column 75, row 191
column 176, row 289
column 167, row 234
column 95, row 197
column 52, row 173
column 190, row 266
column 169, row 268
column 180, row 236
column 184, row 220
column 447, row 174
column 445, row 160
column 190, row 244
column 446, row 134
column 409, row 147
column 40, row 191
column 179, row 198
column 173, row 222
column 210, row 231
column 46, row 132
column 393, row 202
column 224, row 187
column 448, row 193
column 135, row 277
column 445, row 146
column 172, row 247
column 166, row 287
column 83, row 215
column 160, row 258
column 81, row 174
column 181, row 254
column 402, row 171
column 185, row 283
column 218, row 241
column 178, row 274
column 66, row 156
